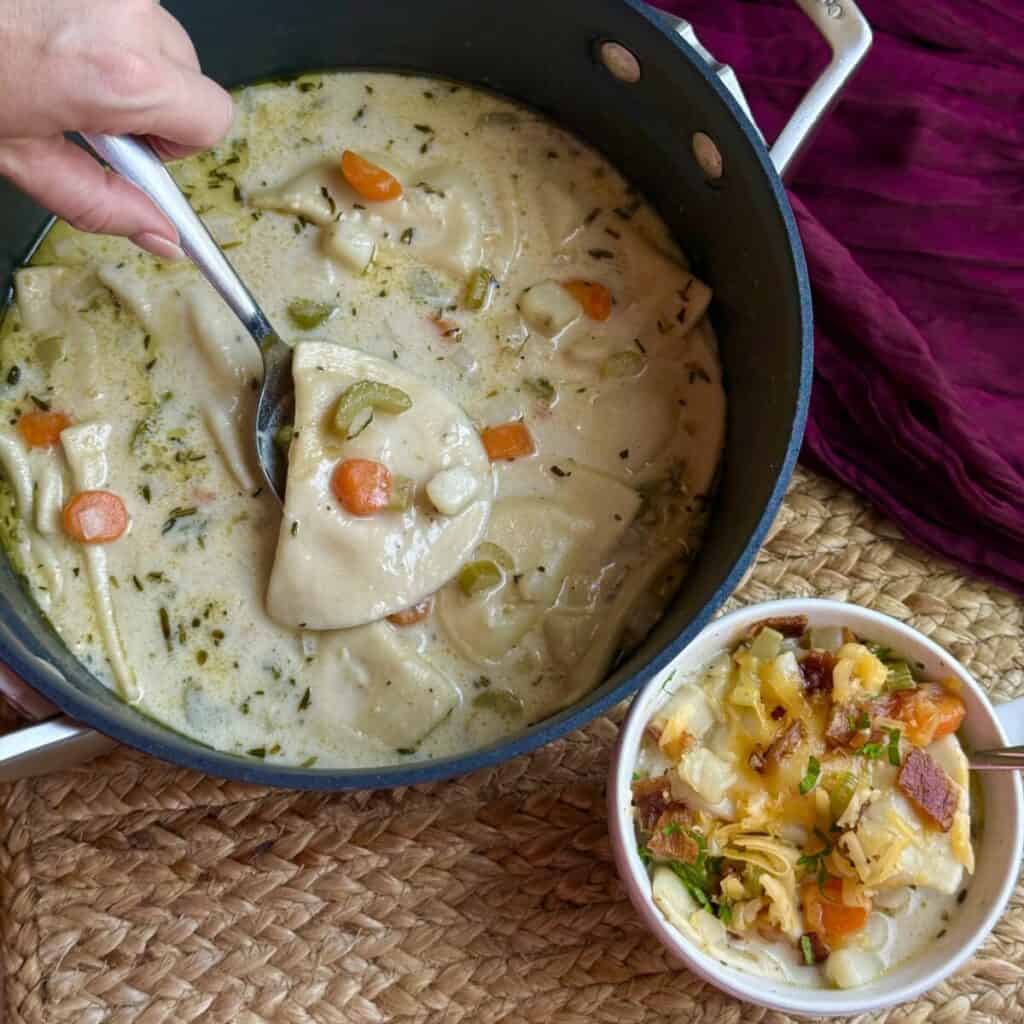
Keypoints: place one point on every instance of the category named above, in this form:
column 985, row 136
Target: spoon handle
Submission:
column 1000, row 759
column 134, row 160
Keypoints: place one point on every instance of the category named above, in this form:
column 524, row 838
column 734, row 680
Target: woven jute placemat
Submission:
column 135, row 892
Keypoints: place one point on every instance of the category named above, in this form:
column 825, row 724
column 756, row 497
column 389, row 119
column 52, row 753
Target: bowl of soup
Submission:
column 547, row 402
column 793, row 814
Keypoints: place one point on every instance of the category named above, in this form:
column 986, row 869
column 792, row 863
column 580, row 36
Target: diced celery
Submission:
column 900, row 677
column 826, row 638
column 503, row 702
column 307, row 314
column 623, row 364
column 541, row 388
column 478, row 289
column 402, row 492
column 840, row 787
column 479, row 576
column 368, row 394
column 767, row 644
column 496, row 554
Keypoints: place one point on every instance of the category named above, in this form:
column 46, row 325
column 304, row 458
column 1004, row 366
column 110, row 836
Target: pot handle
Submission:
column 52, row 742
column 848, row 34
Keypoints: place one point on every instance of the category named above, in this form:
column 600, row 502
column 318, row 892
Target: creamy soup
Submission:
column 509, row 418
column 804, row 807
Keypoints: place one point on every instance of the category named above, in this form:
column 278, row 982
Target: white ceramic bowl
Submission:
column 998, row 848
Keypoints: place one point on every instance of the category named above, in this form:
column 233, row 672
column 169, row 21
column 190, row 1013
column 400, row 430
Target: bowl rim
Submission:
column 791, row 998
column 165, row 744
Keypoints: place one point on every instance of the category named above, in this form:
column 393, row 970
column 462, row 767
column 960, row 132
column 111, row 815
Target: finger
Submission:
column 70, row 183
column 175, row 41
column 153, row 95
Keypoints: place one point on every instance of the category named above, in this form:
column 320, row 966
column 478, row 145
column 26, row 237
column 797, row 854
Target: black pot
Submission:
column 737, row 229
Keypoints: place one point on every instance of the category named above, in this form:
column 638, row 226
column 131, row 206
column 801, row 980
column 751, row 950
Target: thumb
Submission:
column 70, row 183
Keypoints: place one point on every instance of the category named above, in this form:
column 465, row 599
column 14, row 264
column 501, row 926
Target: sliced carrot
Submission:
column 448, row 329
column 369, row 180
column 410, row 616
column 507, row 441
column 95, row 517
column 929, row 713
column 362, row 486
column 595, row 299
column 827, row 916
column 41, row 428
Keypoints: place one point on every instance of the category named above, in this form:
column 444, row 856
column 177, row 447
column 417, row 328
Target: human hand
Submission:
column 115, row 66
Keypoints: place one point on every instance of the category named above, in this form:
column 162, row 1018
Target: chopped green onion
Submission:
column 863, row 721
column 810, row 779
column 402, row 492
column 767, row 644
column 900, row 677
column 894, row 746
column 503, row 702
column 307, row 314
column 368, row 394
column 283, row 435
column 871, row 751
column 541, row 388
column 623, row 364
column 841, row 787
column 476, row 577
column 807, row 949
column 725, row 912
column 497, row 554
column 478, row 289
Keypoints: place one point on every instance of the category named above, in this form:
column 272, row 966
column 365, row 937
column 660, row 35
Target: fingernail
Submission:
column 159, row 246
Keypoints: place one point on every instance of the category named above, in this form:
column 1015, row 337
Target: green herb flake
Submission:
column 807, row 949
column 260, row 752
column 304, row 702
column 177, row 514
column 810, row 779
column 165, row 627
column 894, row 747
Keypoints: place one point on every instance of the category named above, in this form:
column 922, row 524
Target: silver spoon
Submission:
column 136, row 162
column 1005, row 759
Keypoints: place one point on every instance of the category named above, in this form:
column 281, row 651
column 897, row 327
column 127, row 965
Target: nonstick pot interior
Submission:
column 738, row 232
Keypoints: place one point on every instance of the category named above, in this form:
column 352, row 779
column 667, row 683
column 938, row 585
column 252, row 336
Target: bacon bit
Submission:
column 816, row 670
column 448, row 329
column 783, row 746
column 787, row 625
column 650, row 798
column 410, row 616
column 841, row 728
column 778, row 713
column 670, row 839
column 929, row 788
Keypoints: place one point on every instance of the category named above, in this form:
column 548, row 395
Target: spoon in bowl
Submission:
column 135, row 161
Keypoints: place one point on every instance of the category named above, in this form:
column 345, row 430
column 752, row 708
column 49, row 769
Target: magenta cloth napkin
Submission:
column 910, row 202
